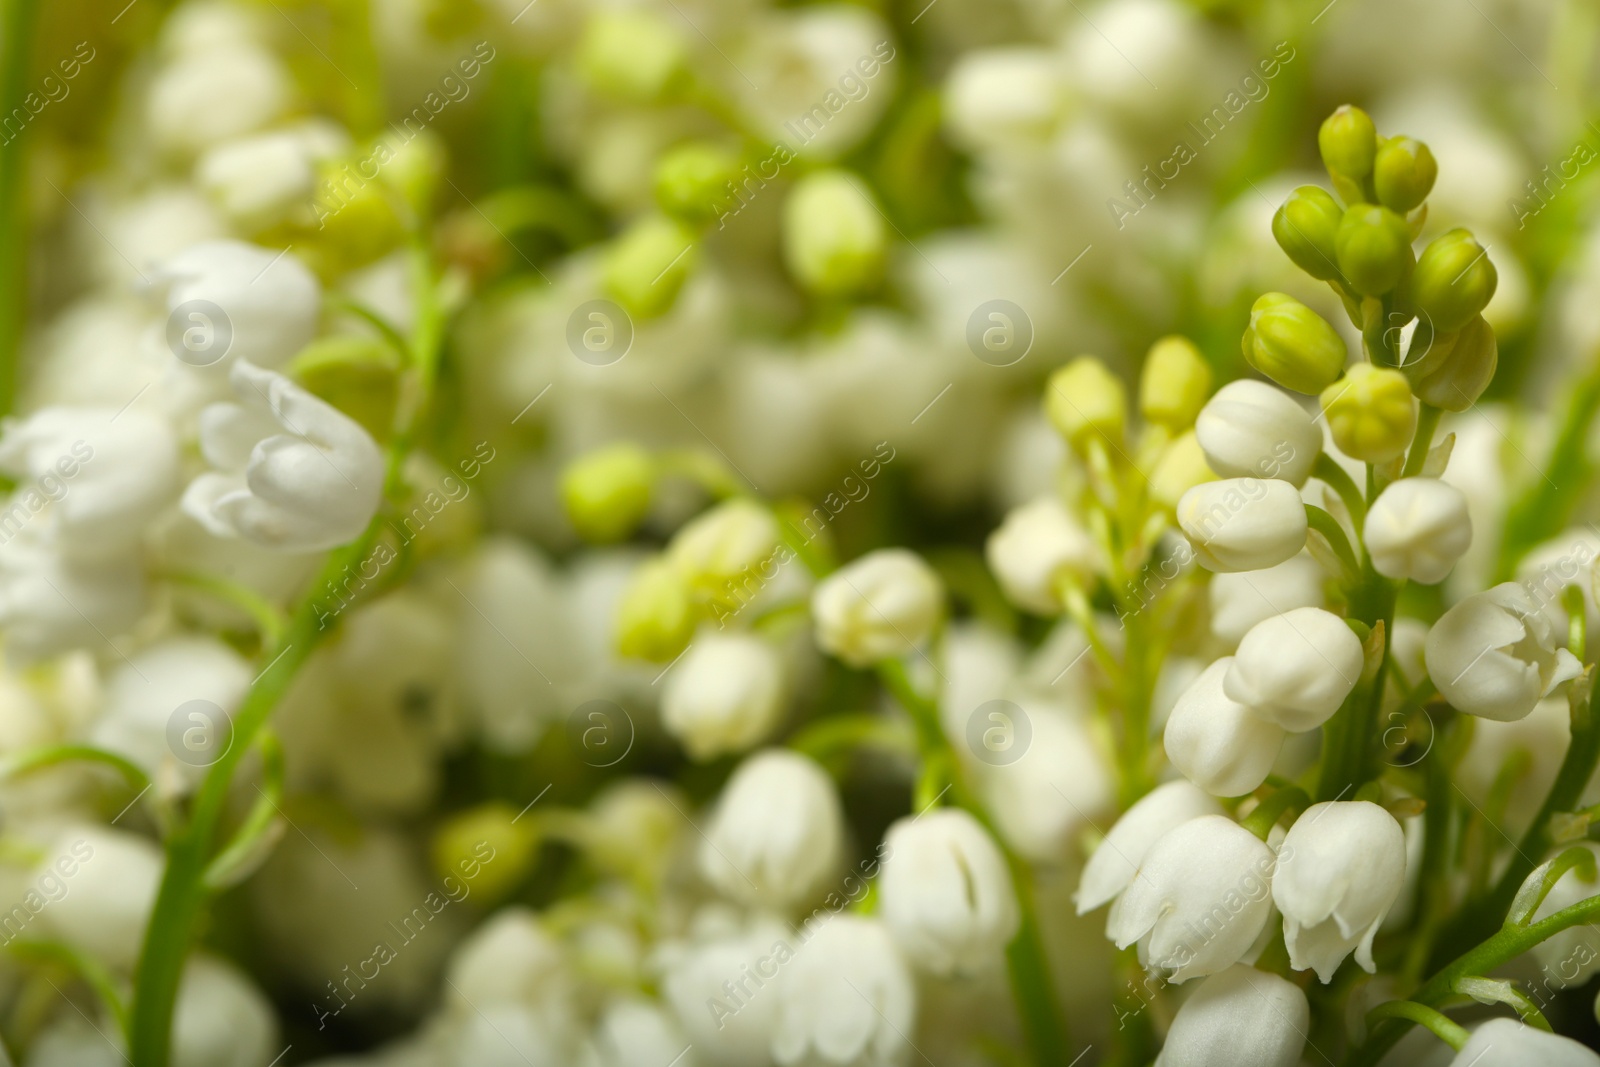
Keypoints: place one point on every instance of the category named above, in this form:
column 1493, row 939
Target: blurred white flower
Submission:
column 213, row 93
column 730, row 970
column 1034, row 547
column 105, row 904
column 50, row 604
column 222, row 1018
column 1005, row 98
column 268, row 302
column 1494, row 654
column 1042, row 800
column 263, row 178
column 883, row 605
column 1242, row 599
column 1513, row 1043
column 725, row 695
column 945, row 893
column 847, row 999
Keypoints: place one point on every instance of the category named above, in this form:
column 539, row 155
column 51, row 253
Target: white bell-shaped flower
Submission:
column 1513, row 1043
column 847, row 999
column 1244, row 598
column 1250, row 429
column 730, row 543
column 722, row 986
column 883, row 605
column 263, row 178
column 1295, row 669
column 294, row 473
column 945, row 893
column 777, row 831
column 105, row 474
column 1219, row 744
column 1198, row 901
column 1243, row 524
column 209, row 95
column 633, row 1032
column 1033, row 548
column 229, row 300
column 1005, row 98
column 1242, row 1017
column 1112, row 864
column 105, row 902
column 1417, row 529
column 50, row 604
column 1340, row 869
column 1044, row 798
column 725, row 695
column 1494, row 654
column 222, row 1017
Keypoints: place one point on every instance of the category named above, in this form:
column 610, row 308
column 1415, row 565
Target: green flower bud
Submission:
column 646, row 266
column 1181, row 467
column 607, row 492
column 1453, row 282
column 1458, row 368
column 1084, row 401
column 1305, row 227
column 1349, row 143
column 631, row 53
column 1374, row 249
column 416, row 170
column 1174, row 383
column 1292, row 345
column 1403, row 173
column 690, row 180
column 833, row 237
column 1370, row 413
column 356, row 373
column 484, row 847
column 656, row 618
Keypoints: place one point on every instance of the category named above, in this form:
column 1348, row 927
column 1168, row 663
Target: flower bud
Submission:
column 1513, row 1043
column 1242, row 1017
column 1417, row 529
column 1292, row 345
column 1201, row 899
column 1348, row 142
column 607, row 492
column 883, row 605
column 1403, row 173
column 1182, row 466
column 1340, row 870
column 1216, row 742
column 1459, row 368
column 1305, row 226
column 1084, row 400
column 1174, row 383
column 1296, row 668
column 1374, row 249
column 632, row 53
column 945, row 893
column 646, row 267
column 1243, row 524
column 833, row 237
column 485, row 838
column 1371, row 413
column 1251, row 430
column 777, row 832
column 1115, row 861
column 109, row 905
column 1453, row 282
column 1494, row 654
column 725, row 695
column 1240, row 601
column 1033, row 548
column 689, row 180
column 656, row 618
column 271, row 301
column 723, row 552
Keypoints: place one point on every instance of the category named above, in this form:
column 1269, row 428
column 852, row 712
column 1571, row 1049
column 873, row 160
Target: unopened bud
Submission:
column 1458, row 369
column 656, row 618
column 1374, row 249
column 1084, row 400
column 1293, row 345
column 607, row 492
column 833, row 237
column 1181, row 467
column 1174, row 383
column 1371, row 413
column 631, row 53
column 1305, row 227
column 646, row 266
column 1349, row 143
column 1453, row 282
column 689, row 180
column 1403, row 173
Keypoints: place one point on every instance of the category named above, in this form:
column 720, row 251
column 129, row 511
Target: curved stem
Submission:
column 1327, row 468
column 1427, row 423
column 1447, row 1029
column 267, row 618
column 1328, row 526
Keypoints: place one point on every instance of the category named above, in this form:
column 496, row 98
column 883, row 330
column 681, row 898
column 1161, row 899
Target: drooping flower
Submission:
column 945, row 892
column 1494, row 654
column 1242, row 1017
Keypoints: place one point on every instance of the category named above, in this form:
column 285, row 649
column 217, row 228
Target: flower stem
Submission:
column 1427, row 423
column 1446, row 1028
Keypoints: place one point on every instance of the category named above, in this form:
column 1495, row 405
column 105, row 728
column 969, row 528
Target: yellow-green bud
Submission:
column 1174, row 383
column 1403, row 173
column 656, row 618
column 484, row 848
column 1084, row 401
column 1181, row 467
column 1305, row 227
column 690, row 180
column 646, row 266
column 631, row 53
column 728, row 553
column 833, row 236
column 1292, row 345
column 1349, row 143
column 356, row 373
column 1374, row 249
column 416, row 170
column 1459, row 367
column 1453, row 282
column 607, row 492
column 1371, row 413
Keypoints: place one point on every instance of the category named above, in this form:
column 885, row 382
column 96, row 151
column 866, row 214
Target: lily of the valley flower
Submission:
column 945, row 892
column 1340, row 869
column 50, row 604
column 725, row 695
column 1242, row 1017
column 1295, row 669
column 1033, row 548
column 1417, row 529
column 847, row 999
column 1243, row 524
column 1512, row 1043
column 1494, row 654
column 1112, row 865
column 1251, row 430
column 1244, row 598
column 1199, row 900
column 883, row 605
column 294, row 473
column 271, row 302
column 1219, row 744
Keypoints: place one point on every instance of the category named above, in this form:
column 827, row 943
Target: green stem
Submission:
column 1427, row 423
column 86, row 966
column 1347, row 737
column 266, row 616
column 1327, row 468
column 50, row 755
column 1446, row 1028
column 1265, row 815
column 1328, row 526
column 16, row 37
